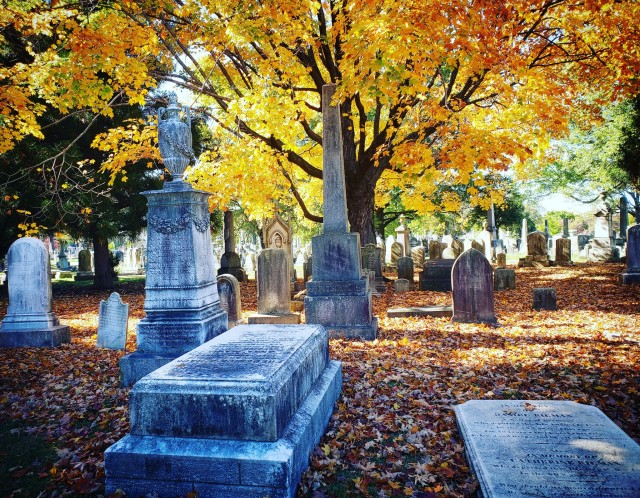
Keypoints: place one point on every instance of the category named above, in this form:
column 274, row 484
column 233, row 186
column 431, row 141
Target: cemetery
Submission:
column 319, row 250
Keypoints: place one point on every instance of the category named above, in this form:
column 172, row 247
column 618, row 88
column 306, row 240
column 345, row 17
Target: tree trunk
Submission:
column 360, row 202
column 103, row 278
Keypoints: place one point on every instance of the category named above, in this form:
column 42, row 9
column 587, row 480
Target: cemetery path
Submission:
column 393, row 432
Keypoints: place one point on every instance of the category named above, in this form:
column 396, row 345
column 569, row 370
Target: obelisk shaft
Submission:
column 333, row 182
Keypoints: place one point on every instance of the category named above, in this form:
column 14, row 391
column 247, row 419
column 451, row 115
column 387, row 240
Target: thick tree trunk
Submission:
column 360, row 202
column 103, row 278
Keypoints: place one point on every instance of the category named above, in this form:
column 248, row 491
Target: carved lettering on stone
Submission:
column 112, row 323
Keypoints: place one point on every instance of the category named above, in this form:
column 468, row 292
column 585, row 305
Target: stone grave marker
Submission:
column 401, row 285
column 238, row 416
column 472, row 288
column 434, row 311
column 435, row 249
column 537, row 250
column 85, row 268
column 230, row 260
column 229, row 292
column 276, row 234
column 397, row 251
column 478, row 245
column 544, row 298
column 372, row 260
column 112, row 323
column 403, row 237
column 519, row 448
column 632, row 275
column 504, row 279
column 417, row 254
column 306, row 269
column 457, row 246
column 563, row 252
column 436, row 275
column 501, row 260
column 405, row 268
column 30, row 320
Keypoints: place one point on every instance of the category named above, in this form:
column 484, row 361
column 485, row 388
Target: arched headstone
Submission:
column 435, row 249
column 397, row 251
column 457, row 246
column 30, row 321
column 229, row 292
column 472, row 288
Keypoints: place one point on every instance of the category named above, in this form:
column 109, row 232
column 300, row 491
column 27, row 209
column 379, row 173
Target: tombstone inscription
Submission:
column 549, row 449
column 112, row 323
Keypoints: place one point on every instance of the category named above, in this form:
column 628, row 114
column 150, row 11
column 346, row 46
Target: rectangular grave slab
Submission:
column 435, row 311
column 245, row 384
column 549, row 449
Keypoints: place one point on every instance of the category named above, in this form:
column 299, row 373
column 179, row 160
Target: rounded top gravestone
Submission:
column 472, row 288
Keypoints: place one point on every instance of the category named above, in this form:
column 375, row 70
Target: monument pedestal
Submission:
column 627, row 278
column 238, row 416
column 339, row 296
column 44, row 338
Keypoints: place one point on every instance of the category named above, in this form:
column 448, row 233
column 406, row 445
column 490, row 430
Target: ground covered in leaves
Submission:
column 393, row 432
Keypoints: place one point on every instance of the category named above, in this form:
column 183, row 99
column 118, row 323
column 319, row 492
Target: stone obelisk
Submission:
column 339, row 296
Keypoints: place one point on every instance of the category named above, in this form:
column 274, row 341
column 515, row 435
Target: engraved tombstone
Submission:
column 405, row 269
column 229, row 292
column 403, row 236
column 457, row 246
column 501, row 260
column 537, row 244
column 401, row 285
column 397, row 252
column 624, row 217
column 417, row 253
column 601, row 243
column 563, row 251
column 632, row 275
column 372, row 260
column 85, row 269
column 435, row 249
column 504, row 279
column 230, row 261
column 112, row 323
column 276, row 234
column 436, row 275
column 472, row 288
column 30, row 321
column 544, row 298
column 478, row 245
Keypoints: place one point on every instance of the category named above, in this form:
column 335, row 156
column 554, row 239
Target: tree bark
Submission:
column 103, row 271
column 360, row 202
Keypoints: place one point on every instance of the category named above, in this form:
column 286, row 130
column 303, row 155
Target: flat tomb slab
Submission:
column 259, row 319
column 244, row 384
column 547, row 449
column 436, row 311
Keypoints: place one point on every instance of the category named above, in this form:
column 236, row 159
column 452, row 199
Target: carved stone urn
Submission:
column 174, row 138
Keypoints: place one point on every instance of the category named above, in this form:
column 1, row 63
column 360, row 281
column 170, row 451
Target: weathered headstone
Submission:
column 372, row 260
column 478, row 245
column 565, row 228
column 405, row 269
column 435, row 249
column 85, row 268
column 436, row 275
column 401, row 285
column 397, row 251
column 238, row 416
column 112, row 323
column 63, row 261
column 229, row 292
column 501, row 260
column 181, row 303
column 632, row 275
column 306, row 269
column 339, row 296
column 230, row 260
column 544, row 298
column 537, row 250
column 417, row 254
column 472, row 289
column 601, row 249
column 276, row 234
column 563, row 251
column 624, row 216
column 30, row 321
column 504, row 279
column 520, row 448
column 458, row 247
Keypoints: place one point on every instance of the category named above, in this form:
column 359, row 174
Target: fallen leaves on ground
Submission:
column 393, row 432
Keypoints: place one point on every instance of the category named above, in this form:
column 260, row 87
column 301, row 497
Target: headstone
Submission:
column 339, row 296
column 632, row 275
column 624, row 216
column 563, row 251
column 504, row 279
column 372, row 260
column 417, row 254
column 405, row 269
column 85, row 268
column 565, row 228
column 30, row 321
column 112, row 323
column 435, row 249
column 230, row 260
column 544, row 298
column 472, row 288
column 501, row 260
column 397, row 251
column 436, row 275
column 601, row 243
column 434, row 311
column 63, row 261
column 239, row 416
column 537, row 250
column 526, row 448
column 523, row 238
column 403, row 236
column 401, row 285
column 458, row 248
column 276, row 234
column 181, row 303
column 229, row 292
column 306, row 269
column 478, row 245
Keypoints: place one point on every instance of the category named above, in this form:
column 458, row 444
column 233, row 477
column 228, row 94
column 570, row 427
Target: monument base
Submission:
column 136, row 365
column 83, row 276
column 629, row 278
column 434, row 311
column 46, row 338
column 258, row 319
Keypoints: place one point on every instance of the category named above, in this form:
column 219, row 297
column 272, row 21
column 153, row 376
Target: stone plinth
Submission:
column 30, row 321
column 182, row 305
column 472, row 289
column 238, row 416
column 544, row 298
column 504, row 279
column 632, row 275
column 435, row 311
column 436, row 275
column 523, row 448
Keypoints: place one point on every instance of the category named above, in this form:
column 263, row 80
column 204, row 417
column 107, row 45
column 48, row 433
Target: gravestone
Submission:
column 237, row 417
column 519, row 448
column 339, row 296
column 276, row 234
column 478, row 245
column 85, row 268
column 397, row 251
column 417, row 254
column 544, row 298
column 435, row 249
column 457, row 246
column 436, row 275
column 563, row 252
column 372, row 260
column 306, row 269
column 229, row 293
column 401, row 285
column 501, row 260
column 565, row 228
column 537, row 251
column 403, row 237
column 504, row 279
column 632, row 275
column 405, row 269
column 601, row 249
column 63, row 261
column 112, row 323
column 230, row 260
column 274, row 291
column 30, row 321
column 472, row 289
column 487, row 243
column 181, row 304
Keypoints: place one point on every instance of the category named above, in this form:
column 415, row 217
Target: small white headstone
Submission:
column 112, row 323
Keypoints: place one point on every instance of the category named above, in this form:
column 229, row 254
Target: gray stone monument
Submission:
column 85, row 268
column 417, row 253
column 112, row 323
column 307, row 269
column 601, row 249
column 403, row 236
column 478, row 245
column 544, row 298
column 372, row 260
column 472, row 289
column 405, row 269
column 339, row 296
column 397, row 251
column 435, row 249
column 536, row 251
column 523, row 238
column 520, row 448
column 401, row 285
column 230, row 261
column 274, row 294
column 181, row 303
column 504, row 279
column 563, row 252
column 63, row 262
column 565, row 228
column 237, row 417
column 229, row 293
column 276, row 234
column 436, row 275
column 30, row 321
column 501, row 260
column 632, row 275
column 457, row 246
column 434, row 311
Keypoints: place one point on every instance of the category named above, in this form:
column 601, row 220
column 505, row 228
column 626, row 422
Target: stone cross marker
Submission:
column 229, row 292
column 30, row 321
column 112, row 323
column 522, row 448
column 472, row 288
